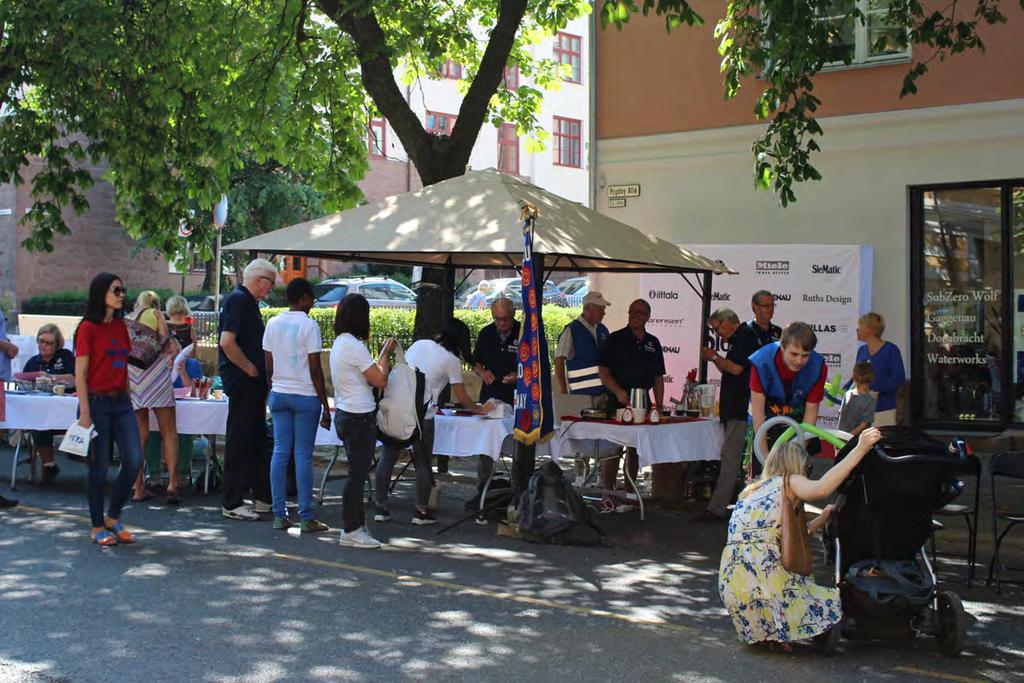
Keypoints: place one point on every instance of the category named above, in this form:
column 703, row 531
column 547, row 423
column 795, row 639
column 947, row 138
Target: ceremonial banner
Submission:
column 827, row 286
column 533, row 418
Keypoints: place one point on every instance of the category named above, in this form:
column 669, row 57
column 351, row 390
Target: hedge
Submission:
column 398, row 322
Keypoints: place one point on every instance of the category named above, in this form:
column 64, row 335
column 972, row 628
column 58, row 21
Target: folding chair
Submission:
column 1008, row 464
column 969, row 467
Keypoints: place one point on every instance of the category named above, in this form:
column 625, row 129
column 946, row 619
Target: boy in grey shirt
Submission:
column 858, row 409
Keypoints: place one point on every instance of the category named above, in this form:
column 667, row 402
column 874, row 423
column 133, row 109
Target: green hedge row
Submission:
column 398, row 323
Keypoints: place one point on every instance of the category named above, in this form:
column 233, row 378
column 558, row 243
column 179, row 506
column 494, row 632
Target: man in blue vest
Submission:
column 787, row 377
column 579, row 349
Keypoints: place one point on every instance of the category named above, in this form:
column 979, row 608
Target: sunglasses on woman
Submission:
column 119, row 291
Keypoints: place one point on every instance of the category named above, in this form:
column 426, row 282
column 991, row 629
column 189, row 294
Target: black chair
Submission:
column 1009, row 464
column 968, row 511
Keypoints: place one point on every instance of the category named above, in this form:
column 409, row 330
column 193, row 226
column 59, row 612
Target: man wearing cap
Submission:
column 579, row 350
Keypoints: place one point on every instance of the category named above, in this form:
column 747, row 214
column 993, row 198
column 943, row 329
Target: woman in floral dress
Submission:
column 765, row 600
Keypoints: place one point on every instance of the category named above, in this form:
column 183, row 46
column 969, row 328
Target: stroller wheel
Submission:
column 952, row 624
column 828, row 642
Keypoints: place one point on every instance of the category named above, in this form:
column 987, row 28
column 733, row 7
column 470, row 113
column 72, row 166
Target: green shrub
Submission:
column 71, row 302
column 398, row 323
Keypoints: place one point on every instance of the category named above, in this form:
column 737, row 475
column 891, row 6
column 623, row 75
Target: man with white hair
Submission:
column 478, row 299
column 243, row 372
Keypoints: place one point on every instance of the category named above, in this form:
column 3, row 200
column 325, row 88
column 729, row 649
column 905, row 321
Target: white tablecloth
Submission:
column 43, row 411
column 461, row 436
column 661, row 443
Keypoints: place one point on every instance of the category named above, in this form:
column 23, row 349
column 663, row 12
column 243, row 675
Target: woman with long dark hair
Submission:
column 355, row 376
column 440, row 360
column 104, row 403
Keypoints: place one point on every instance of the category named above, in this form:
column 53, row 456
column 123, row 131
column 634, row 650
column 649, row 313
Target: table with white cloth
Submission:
column 40, row 412
column 672, row 440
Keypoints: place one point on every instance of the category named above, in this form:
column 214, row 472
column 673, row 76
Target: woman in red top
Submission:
column 104, row 403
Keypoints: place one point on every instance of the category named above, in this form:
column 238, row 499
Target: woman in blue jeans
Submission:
column 101, row 381
column 355, row 376
column 298, row 401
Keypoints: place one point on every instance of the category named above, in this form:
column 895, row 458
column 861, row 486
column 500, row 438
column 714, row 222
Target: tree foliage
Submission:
column 176, row 95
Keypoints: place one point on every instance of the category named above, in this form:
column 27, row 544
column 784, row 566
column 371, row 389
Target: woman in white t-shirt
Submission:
column 298, row 401
column 438, row 360
column 355, row 376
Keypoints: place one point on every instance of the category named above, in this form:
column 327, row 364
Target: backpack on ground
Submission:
column 400, row 410
column 552, row 511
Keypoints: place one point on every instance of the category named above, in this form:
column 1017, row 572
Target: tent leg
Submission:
column 705, row 313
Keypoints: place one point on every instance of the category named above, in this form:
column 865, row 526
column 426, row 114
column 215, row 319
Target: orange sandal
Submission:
column 103, row 538
column 122, row 534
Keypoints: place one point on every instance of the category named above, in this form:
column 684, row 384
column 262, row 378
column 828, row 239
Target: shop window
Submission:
column 961, row 334
column 568, row 51
column 567, row 137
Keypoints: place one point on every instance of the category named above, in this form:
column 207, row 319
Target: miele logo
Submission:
column 826, row 269
column 771, row 267
column 662, row 294
column 721, row 296
column 833, row 359
column 670, row 349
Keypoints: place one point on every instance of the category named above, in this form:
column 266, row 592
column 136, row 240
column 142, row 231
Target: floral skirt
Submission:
column 766, row 601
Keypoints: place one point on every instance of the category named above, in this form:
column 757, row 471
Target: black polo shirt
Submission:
column 772, row 334
column 735, row 395
column 241, row 315
column 633, row 363
column 498, row 356
column 62, row 363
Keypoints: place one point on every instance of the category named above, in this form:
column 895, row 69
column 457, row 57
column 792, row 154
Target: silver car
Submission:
column 380, row 292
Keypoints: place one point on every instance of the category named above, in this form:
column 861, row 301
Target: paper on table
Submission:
column 499, row 411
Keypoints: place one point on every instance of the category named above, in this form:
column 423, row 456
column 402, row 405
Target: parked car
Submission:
column 575, row 288
column 512, row 288
column 381, row 292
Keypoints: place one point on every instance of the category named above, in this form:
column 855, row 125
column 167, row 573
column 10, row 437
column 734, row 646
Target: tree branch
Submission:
column 488, row 77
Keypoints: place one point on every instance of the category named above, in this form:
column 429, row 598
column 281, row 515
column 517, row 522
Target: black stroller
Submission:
column 875, row 540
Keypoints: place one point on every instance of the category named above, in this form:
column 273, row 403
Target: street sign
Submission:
column 619, row 191
column 616, row 203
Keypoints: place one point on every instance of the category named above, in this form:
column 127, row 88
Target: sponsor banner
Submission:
column 821, row 285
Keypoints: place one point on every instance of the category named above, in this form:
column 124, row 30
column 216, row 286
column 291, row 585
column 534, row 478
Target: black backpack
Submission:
column 552, row 511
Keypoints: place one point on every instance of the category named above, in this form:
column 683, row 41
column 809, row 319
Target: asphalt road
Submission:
column 201, row 598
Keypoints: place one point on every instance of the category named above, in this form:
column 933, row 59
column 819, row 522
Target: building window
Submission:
column 567, row 51
column 969, row 281
column 508, row 149
column 858, row 43
column 511, row 77
column 375, row 140
column 441, row 124
column 567, row 136
column 452, row 70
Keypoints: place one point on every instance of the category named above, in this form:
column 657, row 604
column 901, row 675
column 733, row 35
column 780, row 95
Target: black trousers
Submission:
column 246, row 459
column 359, row 432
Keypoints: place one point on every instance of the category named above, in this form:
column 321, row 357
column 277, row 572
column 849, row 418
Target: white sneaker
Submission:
column 242, row 512
column 259, row 506
column 360, row 538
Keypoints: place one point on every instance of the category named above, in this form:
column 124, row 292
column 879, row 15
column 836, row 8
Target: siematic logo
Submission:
column 826, row 269
column 721, row 296
column 776, row 267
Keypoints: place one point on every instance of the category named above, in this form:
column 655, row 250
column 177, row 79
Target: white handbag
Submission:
column 76, row 440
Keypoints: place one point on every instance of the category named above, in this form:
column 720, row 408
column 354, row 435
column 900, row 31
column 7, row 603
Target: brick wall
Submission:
column 96, row 243
column 8, row 238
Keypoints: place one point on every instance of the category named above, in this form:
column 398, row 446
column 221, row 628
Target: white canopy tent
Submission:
column 472, row 222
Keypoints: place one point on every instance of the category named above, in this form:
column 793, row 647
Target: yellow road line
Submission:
column 937, row 674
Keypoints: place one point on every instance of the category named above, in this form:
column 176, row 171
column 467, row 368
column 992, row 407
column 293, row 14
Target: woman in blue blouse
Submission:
column 886, row 361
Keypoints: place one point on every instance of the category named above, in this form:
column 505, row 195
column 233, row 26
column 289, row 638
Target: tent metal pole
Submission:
column 705, row 313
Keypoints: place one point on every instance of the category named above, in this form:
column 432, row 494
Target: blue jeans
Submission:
column 295, row 420
column 114, row 420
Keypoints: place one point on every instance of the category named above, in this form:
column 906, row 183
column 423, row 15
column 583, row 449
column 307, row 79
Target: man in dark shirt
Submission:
column 632, row 359
column 495, row 362
column 762, row 303
column 243, row 373
column 733, row 402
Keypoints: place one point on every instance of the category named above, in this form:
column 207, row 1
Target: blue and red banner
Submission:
column 533, row 418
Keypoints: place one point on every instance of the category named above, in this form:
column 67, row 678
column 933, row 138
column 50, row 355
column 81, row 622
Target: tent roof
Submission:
column 473, row 222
